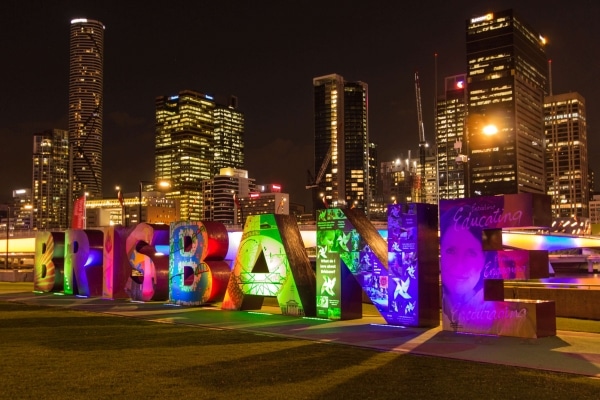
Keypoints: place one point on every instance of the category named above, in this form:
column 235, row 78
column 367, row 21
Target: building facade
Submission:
column 228, row 136
column 450, row 137
column 22, row 210
column 507, row 71
column 196, row 138
column 222, row 195
column 399, row 180
column 341, row 142
column 86, row 102
column 567, row 154
column 184, row 148
column 156, row 209
column 50, row 180
column 267, row 199
column 595, row 213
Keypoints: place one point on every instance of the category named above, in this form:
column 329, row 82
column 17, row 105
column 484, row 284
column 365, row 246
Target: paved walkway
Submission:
column 571, row 352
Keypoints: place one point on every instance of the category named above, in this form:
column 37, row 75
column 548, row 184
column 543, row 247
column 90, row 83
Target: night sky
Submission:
column 265, row 53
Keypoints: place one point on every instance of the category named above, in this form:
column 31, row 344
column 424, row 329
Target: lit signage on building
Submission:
column 486, row 17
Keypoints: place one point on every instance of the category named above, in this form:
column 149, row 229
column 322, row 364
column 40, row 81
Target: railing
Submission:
column 559, row 285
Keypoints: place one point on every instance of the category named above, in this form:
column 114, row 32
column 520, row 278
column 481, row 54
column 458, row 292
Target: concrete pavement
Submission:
column 570, row 352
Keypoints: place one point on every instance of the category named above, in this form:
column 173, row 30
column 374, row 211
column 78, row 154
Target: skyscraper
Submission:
column 341, row 142
column 507, row 72
column 184, row 148
column 451, row 141
column 567, row 154
column 228, row 136
column 85, row 105
column 50, row 184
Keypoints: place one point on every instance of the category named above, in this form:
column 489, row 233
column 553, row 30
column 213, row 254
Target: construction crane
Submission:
column 422, row 143
column 315, row 183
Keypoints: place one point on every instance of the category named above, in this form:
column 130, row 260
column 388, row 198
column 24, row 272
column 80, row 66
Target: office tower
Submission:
column 567, row 154
column 184, row 148
column 341, row 142
column 399, row 180
column 594, row 212
column 85, row 105
column 22, row 210
column 222, row 194
column 430, row 189
column 450, row 137
column 50, row 184
column 228, row 136
column 506, row 85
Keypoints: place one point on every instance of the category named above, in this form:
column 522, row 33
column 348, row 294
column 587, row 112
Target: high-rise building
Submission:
column 429, row 194
column 86, row 101
column 451, row 141
column 22, row 210
column 184, row 148
column 507, row 72
column 341, row 142
column 222, row 193
column 399, row 180
column 595, row 213
column 228, row 136
column 567, row 154
column 50, row 183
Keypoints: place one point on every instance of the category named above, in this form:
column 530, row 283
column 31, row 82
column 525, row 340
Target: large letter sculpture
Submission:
column 197, row 271
column 83, row 262
column 149, row 267
column 400, row 277
column 272, row 261
column 49, row 262
column 412, row 297
column 473, row 265
column 342, row 252
column 117, row 269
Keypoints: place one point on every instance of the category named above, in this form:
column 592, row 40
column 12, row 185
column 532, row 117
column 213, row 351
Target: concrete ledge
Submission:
column 16, row 275
column 570, row 303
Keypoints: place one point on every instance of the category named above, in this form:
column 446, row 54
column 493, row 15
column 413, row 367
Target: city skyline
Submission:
column 266, row 55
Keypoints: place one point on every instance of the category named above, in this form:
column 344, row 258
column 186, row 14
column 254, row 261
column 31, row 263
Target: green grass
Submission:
column 53, row 353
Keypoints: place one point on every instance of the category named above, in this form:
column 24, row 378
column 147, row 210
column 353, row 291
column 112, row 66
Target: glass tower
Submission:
column 85, row 106
column 184, row 148
column 567, row 155
column 506, row 84
column 229, row 136
column 341, row 142
column 450, row 141
column 50, row 184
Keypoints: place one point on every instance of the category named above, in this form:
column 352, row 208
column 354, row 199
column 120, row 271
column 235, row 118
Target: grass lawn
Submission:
column 52, row 353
